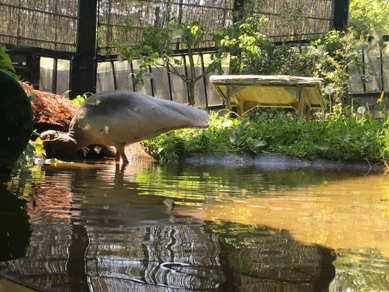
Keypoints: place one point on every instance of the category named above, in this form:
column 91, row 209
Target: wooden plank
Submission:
column 293, row 92
column 308, row 97
column 308, row 114
column 277, row 95
column 281, row 105
column 263, row 80
column 241, row 105
column 300, row 111
column 228, row 98
column 249, row 105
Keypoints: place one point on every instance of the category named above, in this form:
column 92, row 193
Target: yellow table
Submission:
column 249, row 91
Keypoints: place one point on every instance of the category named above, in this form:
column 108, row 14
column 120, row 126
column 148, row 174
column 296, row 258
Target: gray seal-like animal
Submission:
column 120, row 118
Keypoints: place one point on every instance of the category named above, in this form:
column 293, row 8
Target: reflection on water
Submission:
column 94, row 227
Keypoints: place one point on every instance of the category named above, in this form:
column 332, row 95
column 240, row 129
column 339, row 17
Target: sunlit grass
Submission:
column 341, row 135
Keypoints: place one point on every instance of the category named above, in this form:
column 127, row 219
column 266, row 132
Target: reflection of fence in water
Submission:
column 98, row 234
column 195, row 258
column 190, row 256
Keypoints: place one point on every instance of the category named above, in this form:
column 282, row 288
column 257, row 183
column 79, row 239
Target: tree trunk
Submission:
column 191, row 97
column 191, row 84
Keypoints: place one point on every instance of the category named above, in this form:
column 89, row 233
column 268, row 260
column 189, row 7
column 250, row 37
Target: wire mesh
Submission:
column 52, row 24
column 49, row 24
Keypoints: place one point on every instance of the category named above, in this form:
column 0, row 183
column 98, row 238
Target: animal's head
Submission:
column 58, row 144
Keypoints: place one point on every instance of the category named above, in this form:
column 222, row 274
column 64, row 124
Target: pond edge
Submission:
column 276, row 161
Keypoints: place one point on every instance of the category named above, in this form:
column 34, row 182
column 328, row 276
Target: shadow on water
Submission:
column 14, row 228
column 96, row 227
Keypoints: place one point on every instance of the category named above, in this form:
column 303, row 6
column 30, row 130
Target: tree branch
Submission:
column 202, row 75
column 170, row 68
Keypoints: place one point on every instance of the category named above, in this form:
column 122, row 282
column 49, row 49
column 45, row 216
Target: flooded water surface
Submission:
column 172, row 227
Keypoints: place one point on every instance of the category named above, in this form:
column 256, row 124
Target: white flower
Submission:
column 361, row 110
column 328, row 89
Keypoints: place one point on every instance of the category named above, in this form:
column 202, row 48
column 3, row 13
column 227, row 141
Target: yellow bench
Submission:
column 249, row 91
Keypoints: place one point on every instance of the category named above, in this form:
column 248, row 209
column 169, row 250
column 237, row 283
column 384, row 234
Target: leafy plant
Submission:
column 369, row 18
column 340, row 135
column 5, row 61
column 332, row 58
column 339, row 58
column 33, row 148
column 157, row 50
column 243, row 41
column 81, row 98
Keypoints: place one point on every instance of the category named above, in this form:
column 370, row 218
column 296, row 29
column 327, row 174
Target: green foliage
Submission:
column 80, row 98
column 32, row 149
column 249, row 9
column 369, row 18
column 157, row 50
column 38, row 147
column 243, row 41
column 333, row 58
column 348, row 136
column 283, row 60
column 339, row 58
column 26, row 160
column 245, row 45
column 5, row 61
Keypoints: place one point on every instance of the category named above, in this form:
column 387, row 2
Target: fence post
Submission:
column 83, row 67
column 340, row 13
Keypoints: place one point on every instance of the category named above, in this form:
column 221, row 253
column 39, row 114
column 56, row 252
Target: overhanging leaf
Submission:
column 5, row 61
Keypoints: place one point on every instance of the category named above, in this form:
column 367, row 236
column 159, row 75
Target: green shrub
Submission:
column 345, row 135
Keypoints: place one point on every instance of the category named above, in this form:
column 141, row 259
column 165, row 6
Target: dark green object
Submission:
column 16, row 122
column 14, row 228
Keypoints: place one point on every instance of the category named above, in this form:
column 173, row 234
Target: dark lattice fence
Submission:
column 52, row 24
column 48, row 28
column 316, row 18
column 49, row 24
